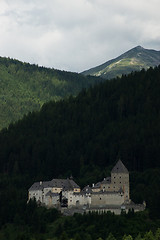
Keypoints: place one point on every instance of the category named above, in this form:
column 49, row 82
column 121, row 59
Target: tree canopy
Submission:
column 25, row 87
column 84, row 136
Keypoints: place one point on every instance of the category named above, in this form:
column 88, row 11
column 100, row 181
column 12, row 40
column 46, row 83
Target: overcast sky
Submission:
column 75, row 35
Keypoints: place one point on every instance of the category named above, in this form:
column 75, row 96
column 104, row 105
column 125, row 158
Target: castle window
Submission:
column 119, row 182
column 100, row 198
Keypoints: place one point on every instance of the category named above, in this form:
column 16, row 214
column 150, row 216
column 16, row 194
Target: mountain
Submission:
column 25, row 87
column 133, row 60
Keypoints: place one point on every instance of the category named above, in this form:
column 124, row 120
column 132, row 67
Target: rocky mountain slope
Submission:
column 133, row 60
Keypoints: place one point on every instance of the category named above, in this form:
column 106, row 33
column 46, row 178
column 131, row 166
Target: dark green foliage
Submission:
column 110, row 237
column 119, row 118
column 101, row 226
column 145, row 186
column 84, row 136
column 25, row 87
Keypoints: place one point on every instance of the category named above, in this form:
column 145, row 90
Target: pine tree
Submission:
column 157, row 234
column 149, row 236
column 139, row 237
column 129, row 237
column 110, row 237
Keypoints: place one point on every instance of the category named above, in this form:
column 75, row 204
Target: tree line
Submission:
column 47, row 224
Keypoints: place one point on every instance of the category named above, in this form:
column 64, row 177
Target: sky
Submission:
column 75, row 35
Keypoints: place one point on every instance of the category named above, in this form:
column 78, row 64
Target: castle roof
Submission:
column 65, row 184
column 40, row 185
column 97, row 185
column 106, row 180
column 87, row 189
column 119, row 168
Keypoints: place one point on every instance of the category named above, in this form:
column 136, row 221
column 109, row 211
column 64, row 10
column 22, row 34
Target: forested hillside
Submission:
column 118, row 118
column 25, row 87
column 84, row 136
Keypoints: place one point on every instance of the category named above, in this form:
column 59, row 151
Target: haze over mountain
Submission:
column 133, row 60
column 25, row 87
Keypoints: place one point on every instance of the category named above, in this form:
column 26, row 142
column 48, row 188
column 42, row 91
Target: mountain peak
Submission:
column 134, row 59
column 139, row 47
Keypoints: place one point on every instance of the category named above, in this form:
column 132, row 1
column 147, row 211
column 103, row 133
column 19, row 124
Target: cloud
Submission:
column 75, row 35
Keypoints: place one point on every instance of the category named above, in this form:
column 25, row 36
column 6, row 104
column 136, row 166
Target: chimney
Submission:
column 92, row 184
column 40, row 182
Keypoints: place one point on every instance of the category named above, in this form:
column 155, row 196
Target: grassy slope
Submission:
column 25, row 87
column 133, row 60
column 122, row 66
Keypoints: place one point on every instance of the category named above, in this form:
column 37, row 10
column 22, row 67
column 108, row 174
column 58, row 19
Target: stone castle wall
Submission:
column 107, row 199
column 121, row 181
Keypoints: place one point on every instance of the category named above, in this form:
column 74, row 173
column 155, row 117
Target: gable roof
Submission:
column 40, row 185
column 87, row 189
column 65, row 184
column 119, row 168
column 106, row 180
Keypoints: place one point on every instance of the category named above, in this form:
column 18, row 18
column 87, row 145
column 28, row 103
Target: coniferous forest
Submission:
column 84, row 136
column 25, row 87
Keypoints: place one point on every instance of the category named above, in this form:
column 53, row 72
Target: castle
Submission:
column 111, row 194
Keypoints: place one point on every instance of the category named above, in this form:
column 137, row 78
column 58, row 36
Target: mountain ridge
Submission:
column 134, row 59
column 26, row 87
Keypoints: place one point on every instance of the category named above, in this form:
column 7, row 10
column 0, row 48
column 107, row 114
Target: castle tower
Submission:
column 120, row 179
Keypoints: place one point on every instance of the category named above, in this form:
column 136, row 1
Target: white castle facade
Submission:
column 111, row 194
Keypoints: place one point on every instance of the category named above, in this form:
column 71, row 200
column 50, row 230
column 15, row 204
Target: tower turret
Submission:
column 120, row 179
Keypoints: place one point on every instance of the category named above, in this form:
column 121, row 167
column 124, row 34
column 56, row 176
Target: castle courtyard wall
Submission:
column 101, row 199
column 77, row 199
